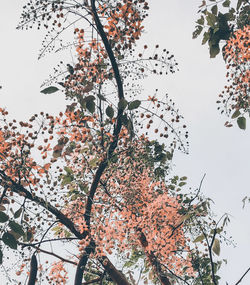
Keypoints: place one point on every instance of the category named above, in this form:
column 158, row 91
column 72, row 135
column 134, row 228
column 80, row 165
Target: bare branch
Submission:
column 243, row 276
column 47, row 252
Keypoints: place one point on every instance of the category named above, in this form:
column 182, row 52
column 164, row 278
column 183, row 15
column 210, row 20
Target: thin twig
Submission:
column 243, row 276
column 48, row 252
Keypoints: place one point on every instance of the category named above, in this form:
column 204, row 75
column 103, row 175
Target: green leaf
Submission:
column 89, row 98
column 135, row 256
column 16, row 228
column 199, row 238
column 67, row 234
column 232, row 11
column 197, row 31
column 183, row 178
column 2, row 208
column 214, row 10
column 120, row 56
column 29, row 235
column 1, row 257
column 225, row 221
column 61, row 83
column 16, row 235
column 182, row 184
column 83, row 187
column 122, row 104
column 110, row 112
column 114, row 158
column 70, row 69
column 169, row 155
column 239, row 4
column 67, row 179
column 236, row 114
column 94, row 162
column 134, row 104
column 226, row 3
column 18, row 213
column 84, row 150
column 219, row 230
column 184, row 218
column 3, row 217
column 216, row 247
column 200, row 21
column 70, row 147
column 211, row 19
column 241, row 121
column 214, row 50
column 101, row 97
column 216, row 30
column 57, row 230
column 206, row 36
column 230, row 16
column 110, row 76
column 9, row 240
column 68, row 170
column 90, row 105
column 49, row 90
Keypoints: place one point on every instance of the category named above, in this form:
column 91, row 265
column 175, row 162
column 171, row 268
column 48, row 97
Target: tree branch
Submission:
column 153, row 260
column 116, row 275
column 109, row 50
column 80, row 269
column 3, row 194
column 18, row 188
column 243, row 276
column 211, row 256
column 112, row 271
column 47, row 252
column 178, row 277
column 118, row 126
column 51, row 240
column 82, row 263
column 33, row 270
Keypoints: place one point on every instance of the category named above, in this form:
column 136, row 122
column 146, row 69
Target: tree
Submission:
column 89, row 178
column 232, row 28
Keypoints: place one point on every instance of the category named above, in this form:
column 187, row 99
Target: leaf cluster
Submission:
column 219, row 26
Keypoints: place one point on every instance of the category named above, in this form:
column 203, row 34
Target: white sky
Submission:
column 222, row 153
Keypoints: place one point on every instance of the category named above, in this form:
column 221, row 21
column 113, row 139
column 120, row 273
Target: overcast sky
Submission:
column 222, row 153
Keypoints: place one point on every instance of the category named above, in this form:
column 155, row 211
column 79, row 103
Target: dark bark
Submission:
column 92, row 191
column 153, row 260
column 33, row 270
column 111, row 270
column 108, row 49
column 116, row 275
column 19, row 189
column 47, row 252
column 243, row 276
column 118, row 126
column 82, row 263
column 211, row 255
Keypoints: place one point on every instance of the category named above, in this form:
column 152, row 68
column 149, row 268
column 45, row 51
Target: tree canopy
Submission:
column 232, row 29
column 94, row 182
